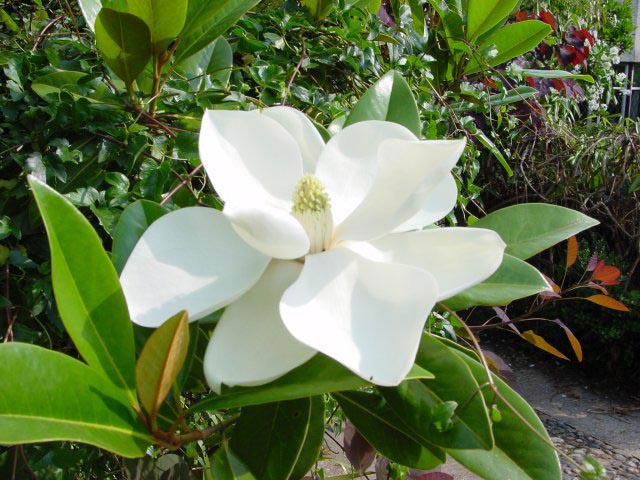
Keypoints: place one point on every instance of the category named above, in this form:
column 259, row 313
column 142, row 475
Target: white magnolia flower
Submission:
column 316, row 249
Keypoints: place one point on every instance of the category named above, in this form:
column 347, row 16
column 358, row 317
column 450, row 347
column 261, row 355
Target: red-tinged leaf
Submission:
column 499, row 366
column 575, row 344
column 606, row 274
column 554, row 287
column 160, row 362
column 599, row 265
column 593, row 261
column 542, row 344
column 522, row 16
column 597, row 286
column 572, row 251
column 502, row 315
column 434, row 476
column 548, row 18
column 549, row 295
column 359, row 452
column 608, row 302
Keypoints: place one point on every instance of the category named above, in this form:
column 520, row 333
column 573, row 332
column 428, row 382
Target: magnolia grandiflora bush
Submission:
column 325, row 255
column 317, row 249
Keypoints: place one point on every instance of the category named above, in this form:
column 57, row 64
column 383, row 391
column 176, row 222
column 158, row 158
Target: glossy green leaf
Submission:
column 386, row 432
column 312, row 446
column 318, row 9
column 519, row 453
column 516, row 94
column 47, row 396
column 124, row 41
column 450, row 11
column 511, row 41
column 413, row 400
column 206, row 21
column 270, row 439
column 54, row 83
column 482, row 15
column 133, row 222
column 165, row 19
column 319, row 375
column 514, row 279
column 417, row 15
column 495, row 151
column 8, row 22
column 530, row 72
column 161, row 360
column 225, row 465
column 216, row 60
column 530, row 228
column 389, row 99
column 221, row 61
column 88, row 294
column 90, row 10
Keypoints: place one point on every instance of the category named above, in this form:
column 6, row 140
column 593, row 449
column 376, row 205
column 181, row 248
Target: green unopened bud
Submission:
column 312, row 208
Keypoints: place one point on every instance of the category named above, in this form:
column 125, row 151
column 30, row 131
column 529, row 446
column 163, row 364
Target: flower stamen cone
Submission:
column 312, row 208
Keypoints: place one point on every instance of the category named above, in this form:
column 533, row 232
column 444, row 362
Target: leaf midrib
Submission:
column 97, row 426
column 94, row 329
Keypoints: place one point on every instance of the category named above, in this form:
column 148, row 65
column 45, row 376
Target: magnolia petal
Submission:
column 366, row 315
column 302, row 130
column 250, row 158
column 408, row 173
column 437, row 205
column 458, row 258
column 349, row 162
column 250, row 345
column 270, row 230
column 190, row 259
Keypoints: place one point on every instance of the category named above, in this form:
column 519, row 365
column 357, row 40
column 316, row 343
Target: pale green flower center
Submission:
column 312, row 208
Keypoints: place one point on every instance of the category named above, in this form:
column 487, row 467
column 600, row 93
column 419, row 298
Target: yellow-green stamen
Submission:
column 312, row 208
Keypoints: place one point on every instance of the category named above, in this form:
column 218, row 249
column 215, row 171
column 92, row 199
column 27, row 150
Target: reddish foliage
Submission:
column 605, row 274
column 548, row 18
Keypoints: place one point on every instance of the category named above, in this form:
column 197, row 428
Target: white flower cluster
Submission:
column 595, row 94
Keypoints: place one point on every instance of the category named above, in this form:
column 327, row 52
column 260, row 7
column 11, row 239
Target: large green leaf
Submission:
column 160, row 361
column 133, row 222
column 482, row 15
column 88, row 294
column 511, row 41
column 90, row 10
column 165, row 19
column 206, row 21
column 47, row 396
column 225, row 465
column 519, row 454
column 389, row 99
column 214, row 62
column 310, row 449
column 386, row 432
column 124, row 41
column 530, row 228
column 319, row 375
column 514, row 279
column 270, row 439
column 413, row 400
